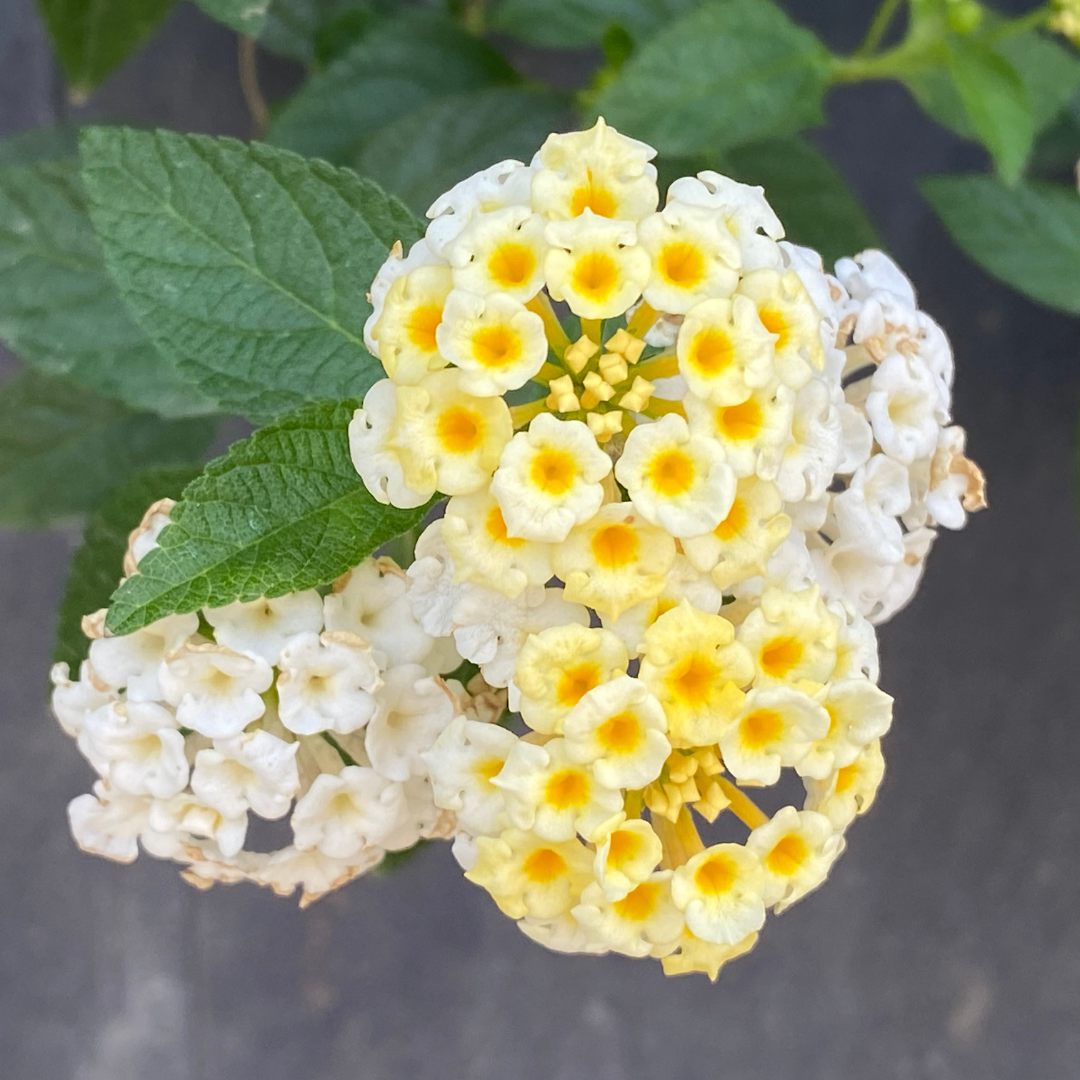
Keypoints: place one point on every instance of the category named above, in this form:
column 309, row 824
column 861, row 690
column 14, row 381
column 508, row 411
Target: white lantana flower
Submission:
column 902, row 408
column 645, row 922
column 627, row 853
column 797, row 849
column 262, row 627
column 132, row 662
column 254, row 769
column 720, row 891
column 74, row 700
column 215, row 691
column 109, row 823
column 504, row 184
column 500, row 251
column 184, row 814
column 327, row 683
column 342, row 815
column 850, row 790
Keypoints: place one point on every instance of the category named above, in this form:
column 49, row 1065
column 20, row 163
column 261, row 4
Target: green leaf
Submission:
column 996, row 103
column 560, row 24
column 59, row 309
column 248, row 266
column 425, row 153
column 1049, row 72
column 1027, row 236
column 731, row 72
column 94, row 37
column 283, row 510
column 62, row 449
column 1057, row 149
column 812, row 199
column 394, row 69
column 40, row 144
column 244, row 16
column 96, row 565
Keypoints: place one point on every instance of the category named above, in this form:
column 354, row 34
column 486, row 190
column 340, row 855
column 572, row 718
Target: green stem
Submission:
column 1031, row 21
column 344, row 754
column 882, row 21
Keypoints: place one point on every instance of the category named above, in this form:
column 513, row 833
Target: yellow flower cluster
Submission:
column 607, row 392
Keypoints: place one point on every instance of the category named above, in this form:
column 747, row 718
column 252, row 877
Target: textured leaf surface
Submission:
column 1027, row 236
column 94, row 37
column 1049, row 72
column 283, row 510
column 424, row 154
column 247, row 265
column 62, row 449
column 997, row 105
column 59, row 309
column 731, row 72
column 569, row 23
column 96, row 565
column 392, row 70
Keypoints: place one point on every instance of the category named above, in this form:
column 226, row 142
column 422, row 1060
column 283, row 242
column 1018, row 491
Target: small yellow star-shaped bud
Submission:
column 637, row 397
column 562, row 397
column 613, row 368
column 580, row 353
column 596, row 390
column 604, row 425
column 630, row 347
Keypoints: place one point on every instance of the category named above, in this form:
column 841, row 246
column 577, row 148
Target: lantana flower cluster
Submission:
column 316, row 709
column 685, row 469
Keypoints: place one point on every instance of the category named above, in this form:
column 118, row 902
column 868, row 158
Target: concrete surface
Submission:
column 947, row 944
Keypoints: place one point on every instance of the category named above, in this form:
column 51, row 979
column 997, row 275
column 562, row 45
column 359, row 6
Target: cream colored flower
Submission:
column 109, row 823
column 777, row 727
column 725, row 352
column 461, row 763
column 615, row 560
column 501, row 251
column 859, row 714
column 693, row 257
column 696, row 669
column 314, row 873
column 496, row 342
column 254, row 769
column 595, row 264
column 791, row 636
column 327, row 683
column 693, row 954
column 144, row 537
column 627, row 852
column 215, row 690
column 557, row 667
column 849, row 791
column 261, row 627
column 676, row 480
column 599, row 171
column 645, row 922
column 549, row 479
column 553, row 796
column 405, row 333
column 786, row 311
column 74, row 700
column 618, row 728
column 132, row 662
column 902, row 408
column 797, row 849
column 476, row 536
column 740, row 546
column 529, row 876
column 720, row 891
column 175, row 821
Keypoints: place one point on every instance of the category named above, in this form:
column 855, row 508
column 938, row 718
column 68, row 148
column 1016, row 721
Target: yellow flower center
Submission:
column 496, row 346
column 511, row 265
column 672, row 473
column 638, row 905
column 788, row 855
column 845, row 777
column 711, row 352
column 692, row 680
column 621, row 734
column 576, row 683
column 780, row 655
column 543, row 866
column 567, row 789
column 716, row 876
column 595, row 276
column 460, row 430
column 776, row 324
column 422, row 326
column 733, row 524
column 496, row 528
column 624, row 846
column 553, row 471
column 590, row 197
column 740, row 422
column 681, row 265
column 486, row 769
column 760, row 728
column 614, row 546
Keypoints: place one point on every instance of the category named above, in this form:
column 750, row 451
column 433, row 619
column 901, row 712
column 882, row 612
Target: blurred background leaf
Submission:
column 96, row 566
column 578, row 23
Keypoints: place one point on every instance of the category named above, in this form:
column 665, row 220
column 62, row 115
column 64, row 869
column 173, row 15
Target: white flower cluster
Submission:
column 316, row 705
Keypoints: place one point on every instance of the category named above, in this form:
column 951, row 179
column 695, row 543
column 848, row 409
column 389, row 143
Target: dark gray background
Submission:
column 947, row 943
